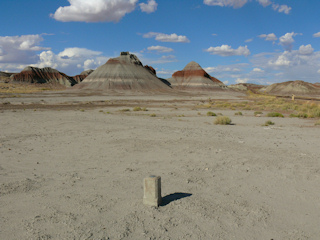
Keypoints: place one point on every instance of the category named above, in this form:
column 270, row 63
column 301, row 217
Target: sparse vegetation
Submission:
column 275, row 114
column 258, row 113
column 317, row 123
column 268, row 123
column 212, row 114
column 222, row 120
column 153, row 115
column 238, row 114
column 125, row 110
column 260, row 102
column 137, row 109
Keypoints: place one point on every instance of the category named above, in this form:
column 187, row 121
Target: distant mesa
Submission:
column 298, row 87
column 125, row 72
column 45, row 75
column 194, row 77
column 246, row 86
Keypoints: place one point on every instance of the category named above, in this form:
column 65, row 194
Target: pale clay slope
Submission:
column 78, row 175
column 122, row 73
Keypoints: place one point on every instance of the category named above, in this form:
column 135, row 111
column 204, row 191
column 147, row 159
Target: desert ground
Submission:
column 72, row 167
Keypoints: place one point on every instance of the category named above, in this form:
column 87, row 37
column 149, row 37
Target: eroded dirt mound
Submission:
column 125, row 72
column 43, row 75
column 194, row 77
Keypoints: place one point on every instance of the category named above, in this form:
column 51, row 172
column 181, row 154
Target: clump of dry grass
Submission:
column 137, row 109
column 275, row 114
column 238, row 114
column 222, row 120
column 268, row 123
column 211, row 114
column 17, row 88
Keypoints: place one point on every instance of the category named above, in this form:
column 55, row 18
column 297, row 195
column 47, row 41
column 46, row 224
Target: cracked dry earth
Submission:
column 74, row 174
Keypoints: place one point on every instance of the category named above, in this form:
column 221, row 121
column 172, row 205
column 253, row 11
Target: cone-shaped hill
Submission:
column 43, row 75
column 194, row 77
column 125, row 72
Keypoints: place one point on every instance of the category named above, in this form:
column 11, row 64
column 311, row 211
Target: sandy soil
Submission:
column 72, row 168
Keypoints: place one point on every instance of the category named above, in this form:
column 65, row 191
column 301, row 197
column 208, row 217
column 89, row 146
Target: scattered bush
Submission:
column 238, row 114
column 153, row 115
column 268, row 123
column 211, row 114
column 275, row 114
column 222, row 120
column 257, row 113
column 125, row 110
column 137, row 109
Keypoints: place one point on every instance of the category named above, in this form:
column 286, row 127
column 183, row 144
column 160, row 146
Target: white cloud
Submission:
column 268, row 37
column 149, row 7
column 287, row 40
column 258, row 70
column 75, row 53
column 316, row 34
column 20, row 49
column 240, row 3
column 242, row 80
column 265, row 3
column 306, row 49
column 163, row 59
column 166, row 37
column 160, row 49
column 70, row 59
column 249, row 40
column 221, row 69
column 318, row 71
column 94, row 10
column 289, row 65
column 226, row 50
column 226, row 3
column 281, row 8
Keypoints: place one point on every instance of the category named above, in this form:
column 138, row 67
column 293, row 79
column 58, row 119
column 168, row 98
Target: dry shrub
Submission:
column 222, row 120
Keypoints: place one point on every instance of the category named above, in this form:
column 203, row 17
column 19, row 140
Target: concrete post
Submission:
column 152, row 191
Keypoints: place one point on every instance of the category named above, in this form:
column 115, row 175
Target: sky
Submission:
column 236, row 41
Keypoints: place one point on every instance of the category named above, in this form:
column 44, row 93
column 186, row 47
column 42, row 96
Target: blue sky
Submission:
column 254, row 41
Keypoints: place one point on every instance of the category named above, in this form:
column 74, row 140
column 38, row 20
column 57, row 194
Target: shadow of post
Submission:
column 173, row 197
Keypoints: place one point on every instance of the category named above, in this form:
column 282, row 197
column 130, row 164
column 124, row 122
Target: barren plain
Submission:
column 72, row 167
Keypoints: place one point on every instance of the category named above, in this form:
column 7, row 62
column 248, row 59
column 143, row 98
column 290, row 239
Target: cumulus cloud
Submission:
column 94, row 10
column 306, row 49
column 242, row 80
column 149, row 7
column 258, row 70
column 20, row 49
column 167, row 37
column 226, row 3
column 287, row 40
column 316, row 34
column 268, row 37
column 71, row 59
column 226, row 50
column 160, row 49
